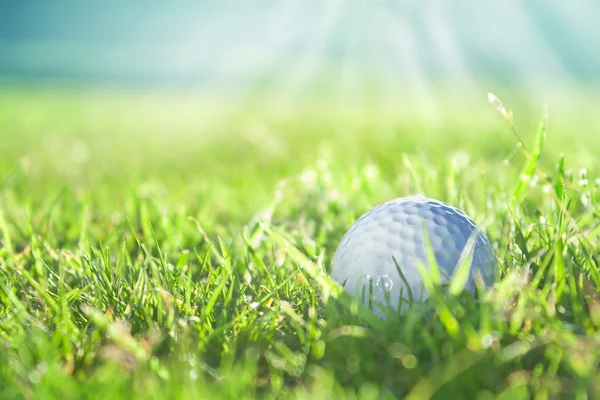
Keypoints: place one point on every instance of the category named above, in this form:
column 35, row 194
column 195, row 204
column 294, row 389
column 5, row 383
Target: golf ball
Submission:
column 390, row 237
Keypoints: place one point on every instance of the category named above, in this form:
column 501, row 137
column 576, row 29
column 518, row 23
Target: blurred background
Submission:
column 344, row 45
column 129, row 89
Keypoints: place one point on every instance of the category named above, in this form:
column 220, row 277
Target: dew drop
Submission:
column 194, row 374
column 384, row 283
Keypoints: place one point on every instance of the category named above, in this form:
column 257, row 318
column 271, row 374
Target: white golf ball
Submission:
column 390, row 237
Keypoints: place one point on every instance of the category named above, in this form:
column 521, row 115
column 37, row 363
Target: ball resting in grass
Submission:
column 384, row 254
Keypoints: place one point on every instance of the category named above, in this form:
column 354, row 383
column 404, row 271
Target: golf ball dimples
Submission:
column 390, row 236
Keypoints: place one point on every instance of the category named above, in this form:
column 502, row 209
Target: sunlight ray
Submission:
column 351, row 78
column 404, row 59
column 544, row 58
column 450, row 56
column 300, row 66
column 253, row 59
column 390, row 90
column 582, row 19
column 510, row 44
column 260, row 45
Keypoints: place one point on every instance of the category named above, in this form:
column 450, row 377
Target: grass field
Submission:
column 157, row 245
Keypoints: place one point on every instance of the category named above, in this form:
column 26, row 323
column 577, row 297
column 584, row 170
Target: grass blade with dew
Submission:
column 330, row 287
column 530, row 168
column 116, row 332
column 460, row 275
column 432, row 279
column 409, row 291
column 444, row 373
column 6, row 235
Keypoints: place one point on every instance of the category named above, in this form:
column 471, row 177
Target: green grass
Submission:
column 170, row 246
